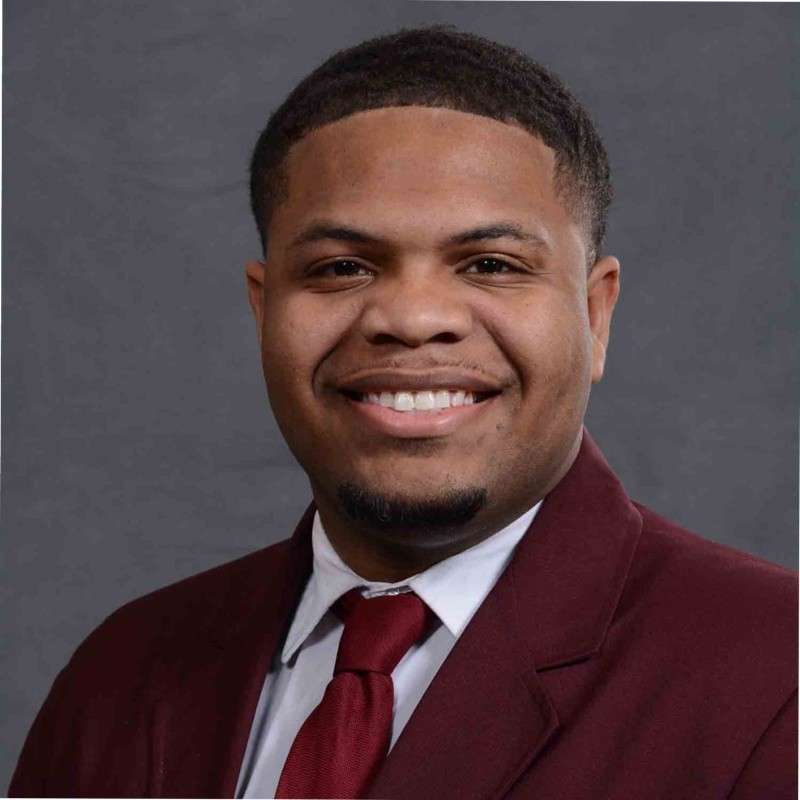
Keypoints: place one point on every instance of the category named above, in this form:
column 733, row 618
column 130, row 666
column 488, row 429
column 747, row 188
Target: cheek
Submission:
column 299, row 333
column 550, row 346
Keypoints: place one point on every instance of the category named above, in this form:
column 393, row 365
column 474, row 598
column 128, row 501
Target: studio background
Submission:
column 138, row 447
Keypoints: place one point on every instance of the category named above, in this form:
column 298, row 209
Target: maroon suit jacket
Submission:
column 618, row 656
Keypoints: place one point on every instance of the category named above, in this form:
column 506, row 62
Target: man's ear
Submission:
column 601, row 295
column 254, row 271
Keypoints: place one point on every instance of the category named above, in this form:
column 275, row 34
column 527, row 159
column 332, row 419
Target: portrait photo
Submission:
column 399, row 399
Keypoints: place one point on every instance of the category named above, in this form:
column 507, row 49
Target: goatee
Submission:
column 452, row 508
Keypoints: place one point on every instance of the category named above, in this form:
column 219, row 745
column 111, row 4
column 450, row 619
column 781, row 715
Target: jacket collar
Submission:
column 569, row 571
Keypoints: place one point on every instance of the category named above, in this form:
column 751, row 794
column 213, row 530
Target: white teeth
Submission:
column 423, row 401
column 404, row 401
column 427, row 400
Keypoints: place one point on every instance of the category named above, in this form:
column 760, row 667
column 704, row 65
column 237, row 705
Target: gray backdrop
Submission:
column 138, row 446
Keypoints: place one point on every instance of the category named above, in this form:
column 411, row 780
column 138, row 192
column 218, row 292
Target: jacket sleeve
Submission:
column 771, row 769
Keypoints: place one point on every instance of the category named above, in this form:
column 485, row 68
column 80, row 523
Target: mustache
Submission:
column 421, row 364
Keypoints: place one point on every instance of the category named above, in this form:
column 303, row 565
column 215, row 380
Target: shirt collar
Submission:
column 453, row 588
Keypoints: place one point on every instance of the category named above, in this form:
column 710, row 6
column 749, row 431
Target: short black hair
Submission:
column 440, row 66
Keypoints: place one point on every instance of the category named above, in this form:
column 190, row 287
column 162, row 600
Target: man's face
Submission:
column 426, row 251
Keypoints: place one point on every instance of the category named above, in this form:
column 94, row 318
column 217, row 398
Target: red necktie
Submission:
column 341, row 745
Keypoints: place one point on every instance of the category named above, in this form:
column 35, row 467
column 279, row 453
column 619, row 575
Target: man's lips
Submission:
column 417, row 404
column 416, row 424
column 476, row 391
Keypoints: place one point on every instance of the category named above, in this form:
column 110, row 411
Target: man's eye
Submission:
column 344, row 268
column 490, row 266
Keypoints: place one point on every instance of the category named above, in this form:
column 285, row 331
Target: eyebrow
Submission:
column 500, row 230
column 321, row 231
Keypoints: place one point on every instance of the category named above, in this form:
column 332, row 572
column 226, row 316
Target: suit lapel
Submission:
column 200, row 728
column 486, row 716
column 482, row 719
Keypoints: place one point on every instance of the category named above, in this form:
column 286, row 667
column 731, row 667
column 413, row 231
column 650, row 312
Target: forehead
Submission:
column 421, row 161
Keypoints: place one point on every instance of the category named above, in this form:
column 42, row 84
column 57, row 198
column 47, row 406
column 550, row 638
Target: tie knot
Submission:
column 378, row 630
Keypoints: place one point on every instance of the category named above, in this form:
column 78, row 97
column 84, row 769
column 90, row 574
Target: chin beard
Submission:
column 431, row 516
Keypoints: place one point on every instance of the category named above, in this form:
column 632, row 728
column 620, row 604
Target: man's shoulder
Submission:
column 223, row 585
column 717, row 571
column 180, row 618
column 713, row 604
column 112, row 691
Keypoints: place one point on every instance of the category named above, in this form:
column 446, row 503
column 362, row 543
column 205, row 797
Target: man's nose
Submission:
column 414, row 310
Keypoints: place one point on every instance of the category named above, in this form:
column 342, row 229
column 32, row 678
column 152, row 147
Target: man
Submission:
column 471, row 606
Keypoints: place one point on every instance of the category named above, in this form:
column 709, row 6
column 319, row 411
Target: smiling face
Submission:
column 423, row 257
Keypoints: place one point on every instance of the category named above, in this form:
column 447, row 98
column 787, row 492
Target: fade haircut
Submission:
column 442, row 67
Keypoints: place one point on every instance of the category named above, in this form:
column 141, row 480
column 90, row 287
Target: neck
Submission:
column 376, row 556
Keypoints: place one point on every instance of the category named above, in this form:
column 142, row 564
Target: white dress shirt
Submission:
column 453, row 589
